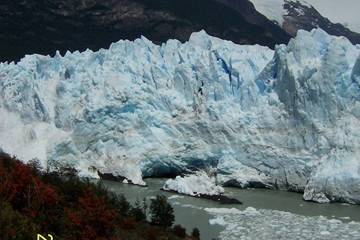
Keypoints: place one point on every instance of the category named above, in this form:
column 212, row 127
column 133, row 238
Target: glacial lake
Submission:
column 191, row 212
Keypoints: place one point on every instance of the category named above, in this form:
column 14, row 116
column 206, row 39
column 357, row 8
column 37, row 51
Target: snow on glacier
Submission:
column 266, row 224
column 275, row 9
column 272, row 9
column 286, row 119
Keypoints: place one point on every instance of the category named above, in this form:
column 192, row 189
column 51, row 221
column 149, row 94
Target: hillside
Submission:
column 44, row 26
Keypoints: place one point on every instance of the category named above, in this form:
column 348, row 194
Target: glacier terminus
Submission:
column 286, row 119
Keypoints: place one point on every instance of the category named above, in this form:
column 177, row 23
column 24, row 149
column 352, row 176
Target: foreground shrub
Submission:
column 27, row 194
column 14, row 225
column 93, row 217
column 138, row 212
column 71, row 208
column 23, row 189
column 119, row 203
column 179, row 231
column 161, row 212
column 128, row 224
column 195, row 234
column 152, row 234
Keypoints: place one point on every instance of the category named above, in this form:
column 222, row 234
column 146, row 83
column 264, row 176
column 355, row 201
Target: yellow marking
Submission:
column 41, row 237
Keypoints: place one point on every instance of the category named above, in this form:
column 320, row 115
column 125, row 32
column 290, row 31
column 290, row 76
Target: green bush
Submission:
column 138, row 212
column 161, row 212
column 119, row 203
column 195, row 233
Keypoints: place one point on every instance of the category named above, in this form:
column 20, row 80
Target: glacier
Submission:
column 287, row 118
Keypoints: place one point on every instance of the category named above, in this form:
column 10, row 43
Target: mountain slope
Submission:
column 45, row 26
column 293, row 15
column 287, row 118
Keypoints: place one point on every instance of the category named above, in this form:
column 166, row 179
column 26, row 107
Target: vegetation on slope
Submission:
column 69, row 208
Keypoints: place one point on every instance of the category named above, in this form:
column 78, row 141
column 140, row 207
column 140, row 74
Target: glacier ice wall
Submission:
column 287, row 119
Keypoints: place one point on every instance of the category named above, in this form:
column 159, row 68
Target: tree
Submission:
column 138, row 212
column 195, row 233
column 161, row 212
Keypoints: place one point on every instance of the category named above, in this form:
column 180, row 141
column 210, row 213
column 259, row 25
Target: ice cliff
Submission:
column 287, row 119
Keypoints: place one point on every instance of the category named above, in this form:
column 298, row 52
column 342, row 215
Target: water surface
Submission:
column 190, row 212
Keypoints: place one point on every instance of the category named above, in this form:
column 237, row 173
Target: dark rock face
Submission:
column 44, row 26
column 222, row 199
column 299, row 17
column 303, row 17
column 250, row 184
column 110, row 177
column 247, row 10
column 114, row 178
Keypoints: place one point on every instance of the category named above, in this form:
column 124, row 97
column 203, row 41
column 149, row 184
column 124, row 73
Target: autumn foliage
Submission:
column 24, row 190
column 87, row 216
column 93, row 219
column 68, row 207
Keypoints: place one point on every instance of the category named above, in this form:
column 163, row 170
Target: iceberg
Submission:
column 194, row 185
column 286, row 119
column 264, row 224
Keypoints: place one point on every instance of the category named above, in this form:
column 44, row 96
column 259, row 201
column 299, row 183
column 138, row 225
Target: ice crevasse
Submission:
column 287, row 119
